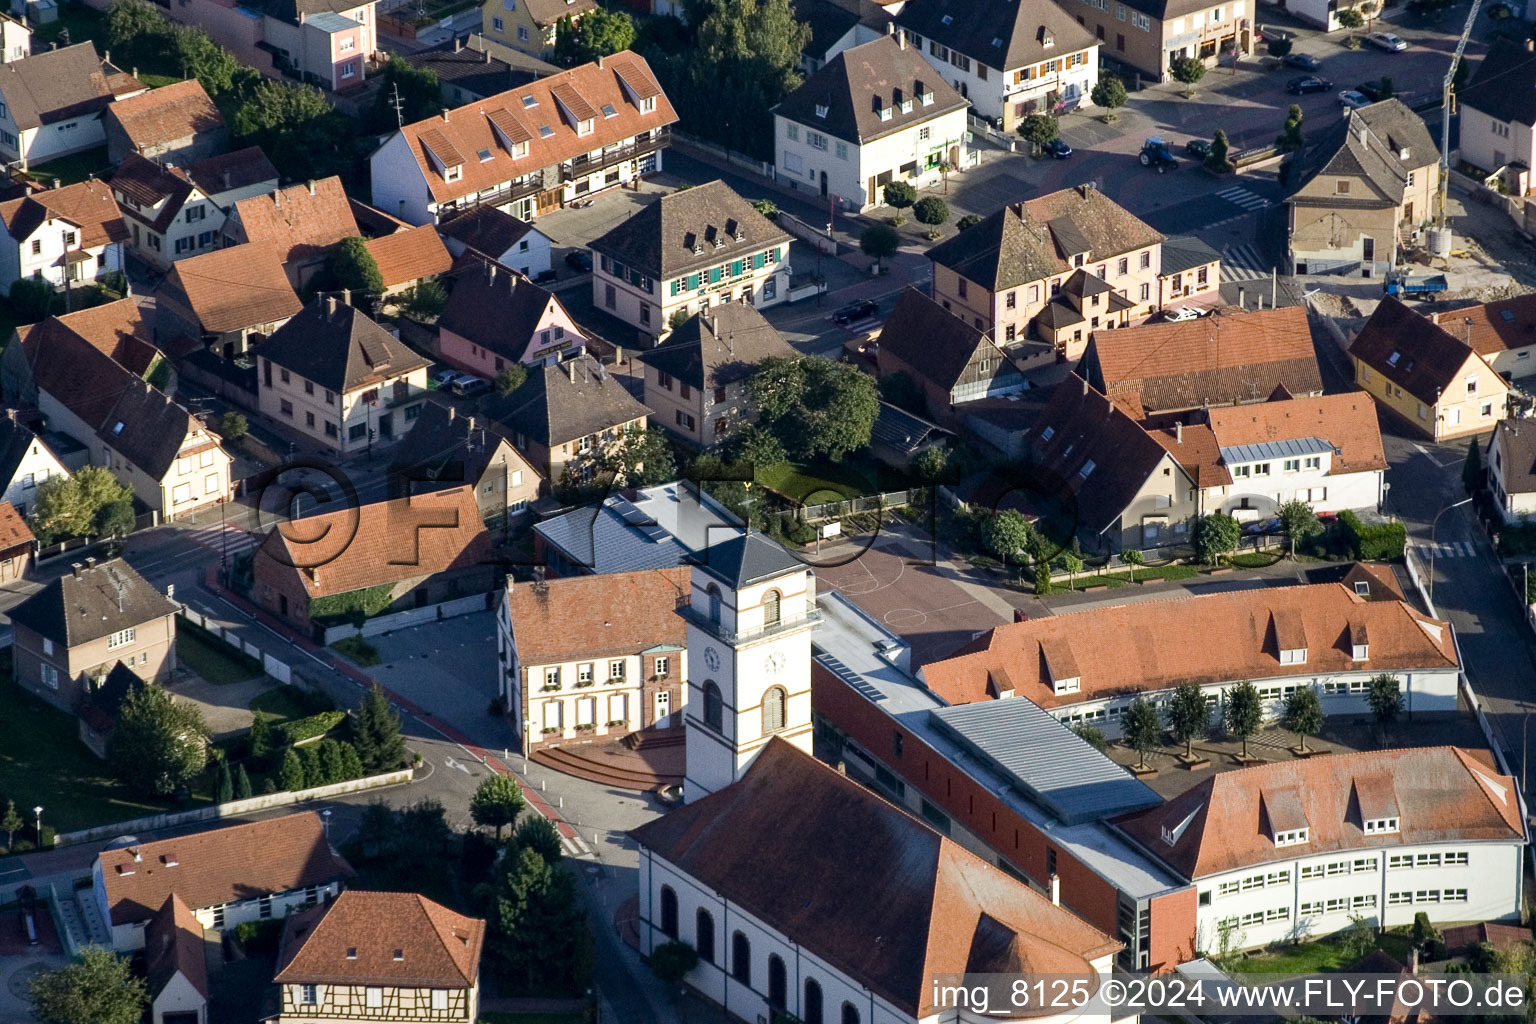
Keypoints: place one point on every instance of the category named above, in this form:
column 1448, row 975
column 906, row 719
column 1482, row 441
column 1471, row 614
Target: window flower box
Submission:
column 549, row 687
column 582, row 684
column 618, row 723
column 551, row 730
column 587, row 728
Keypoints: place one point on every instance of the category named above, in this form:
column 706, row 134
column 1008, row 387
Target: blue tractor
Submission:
column 1155, row 152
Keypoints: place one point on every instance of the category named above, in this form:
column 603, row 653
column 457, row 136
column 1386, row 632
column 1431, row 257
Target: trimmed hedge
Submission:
column 301, row 729
column 1383, row 541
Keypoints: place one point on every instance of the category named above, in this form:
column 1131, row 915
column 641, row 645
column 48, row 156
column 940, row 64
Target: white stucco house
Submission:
column 874, row 114
column 225, row 876
column 26, row 461
column 1295, row 848
column 1498, row 114
column 73, row 234
column 1510, row 464
column 51, row 104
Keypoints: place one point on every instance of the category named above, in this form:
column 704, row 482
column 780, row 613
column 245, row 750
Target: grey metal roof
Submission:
column 747, row 558
column 664, row 526
column 903, row 432
column 1275, row 449
column 1185, row 252
column 1045, row 759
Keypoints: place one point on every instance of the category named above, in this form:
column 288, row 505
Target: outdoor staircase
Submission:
column 96, row 930
column 643, row 761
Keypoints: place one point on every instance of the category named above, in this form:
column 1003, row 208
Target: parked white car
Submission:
column 1351, row 99
column 1178, row 316
column 1387, row 41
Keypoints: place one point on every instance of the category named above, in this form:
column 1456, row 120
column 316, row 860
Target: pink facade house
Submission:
column 499, row 317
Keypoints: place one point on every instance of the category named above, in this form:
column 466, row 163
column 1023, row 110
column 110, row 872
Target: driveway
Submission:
column 226, row 708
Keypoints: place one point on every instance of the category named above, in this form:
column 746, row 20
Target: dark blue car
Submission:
column 1058, row 149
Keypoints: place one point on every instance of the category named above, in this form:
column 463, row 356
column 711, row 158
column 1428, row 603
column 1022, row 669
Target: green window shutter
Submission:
column 758, row 259
column 736, row 268
column 693, row 282
column 714, row 275
column 676, row 287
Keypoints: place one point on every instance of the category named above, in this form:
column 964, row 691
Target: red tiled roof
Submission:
column 301, row 222
column 573, row 616
column 14, row 531
column 173, row 942
column 89, row 206
column 1348, row 422
column 222, row 865
column 462, row 135
column 234, row 288
column 383, row 542
column 410, row 255
column 381, row 938
column 1496, row 326
column 1443, row 795
column 1212, row 638
column 167, row 114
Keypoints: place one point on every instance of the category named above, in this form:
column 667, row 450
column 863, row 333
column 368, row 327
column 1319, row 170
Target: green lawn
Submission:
column 802, row 482
column 283, row 704
column 42, row 761
column 1325, row 954
column 212, row 658
column 1122, row 579
column 358, row 649
column 73, row 168
column 157, row 81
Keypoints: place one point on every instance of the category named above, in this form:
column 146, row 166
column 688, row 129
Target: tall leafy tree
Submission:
column 497, row 802
column 1291, row 138
column 160, row 743
column 350, row 265
column 879, row 242
column 1243, row 712
column 537, row 833
column 538, row 928
column 1038, row 129
column 418, row 89
column 136, row 31
column 1216, row 534
column 1007, row 535
column 595, row 34
column 815, row 406
column 1189, row 716
column 66, row 506
column 1299, row 520
column 12, row 823
column 638, row 459
column 98, row 988
column 296, row 126
column 1385, row 698
column 198, row 56
column 1303, row 714
column 1142, row 727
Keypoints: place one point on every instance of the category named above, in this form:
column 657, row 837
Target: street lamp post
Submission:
column 1433, row 546
column 38, row 810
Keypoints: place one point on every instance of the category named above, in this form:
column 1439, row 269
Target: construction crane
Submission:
column 1445, row 112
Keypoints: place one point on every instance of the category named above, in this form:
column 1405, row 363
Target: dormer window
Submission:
column 519, row 150
column 453, row 173
column 1293, row 656
column 648, row 105
column 1171, row 836
column 885, row 113
column 1381, row 826
column 821, row 110
column 1292, row 837
column 928, row 98
column 1360, row 652
column 584, row 127
column 906, row 106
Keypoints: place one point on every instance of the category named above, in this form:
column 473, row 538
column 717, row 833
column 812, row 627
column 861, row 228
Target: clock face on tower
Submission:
column 711, row 659
column 774, row 663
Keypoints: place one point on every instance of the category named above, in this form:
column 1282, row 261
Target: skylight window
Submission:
column 118, row 427
column 1047, row 433
column 1088, row 468
column 1507, row 315
column 821, row 110
column 608, row 111
column 948, row 19
column 1393, row 358
column 997, row 42
column 529, row 102
column 484, row 155
column 545, row 131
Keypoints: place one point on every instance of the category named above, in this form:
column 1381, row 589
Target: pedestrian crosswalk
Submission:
column 225, row 539
column 1243, row 263
column 1239, row 196
column 1446, row 549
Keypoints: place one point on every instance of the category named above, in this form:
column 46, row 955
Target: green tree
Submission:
column 671, row 961
column 12, row 823
column 350, row 265
column 199, row 57
column 159, row 744
column 931, row 210
column 423, row 301
column 1073, row 565
column 1351, row 19
column 332, row 762
column 1424, row 933
column 1384, row 697
column 98, row 988
column 314, row 768
column 1006, row 534
column 32, row 300
column 423, row 832
column 536, row 925
column 1299, row 521
column 137, row 31
column 242, row 784
column 1303, row 714
column 598, row 33
column 260, row 737
column 291, row 775
column 1189, row 716
column 352, row 765
column 376, row 830
column 1142, row 727
column 1188, row 70
column 1359, row 938
column 815, row 406
column 1092, row 736
column 1242, row 712
column 115, row 519
column 233, row 426
column 767, row 207
column 296, row 126
column 1108, row 93
column 967, row 222
column 641, row 458
column 899, row 195
column 1472, row 469
column 1132, row 558
column 537, row 833
column 1280, row 47
column 879, row 242
column 1218, row 160
column 1038, row 129
column 420, row 95
column 1042, row 579
column 1216, row 535
column 1291, row 138
column 497, row 802
column 757, row 447
column 376, row 732
column 511, row 378
column 66, row 506
column 226, row 784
